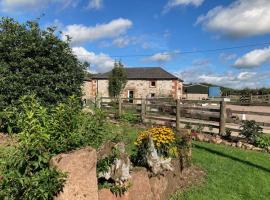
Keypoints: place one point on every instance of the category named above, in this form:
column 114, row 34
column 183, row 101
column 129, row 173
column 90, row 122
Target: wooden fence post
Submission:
column 178, row 114
column 119, row 106
column 143, row 111
column 223, row 116
column 98, row 102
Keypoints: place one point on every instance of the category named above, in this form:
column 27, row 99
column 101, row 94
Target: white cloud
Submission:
column 239, row 19
column 175, row 3
column 95, row 4
column 233, row 79
column 225, row 57
column 80, row 33
column 13, row 5
column 19, row 6
column 121, row 42
column 98, row 62
column 160, row 57
column 254, row 58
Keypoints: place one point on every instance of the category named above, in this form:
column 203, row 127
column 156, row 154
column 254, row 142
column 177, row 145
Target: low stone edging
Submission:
column 218, row 140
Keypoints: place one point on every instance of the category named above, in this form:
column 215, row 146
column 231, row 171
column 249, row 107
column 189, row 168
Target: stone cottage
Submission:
column 142, row 82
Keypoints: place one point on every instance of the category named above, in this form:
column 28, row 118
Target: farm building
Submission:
column 200, row 91
column 142, row 82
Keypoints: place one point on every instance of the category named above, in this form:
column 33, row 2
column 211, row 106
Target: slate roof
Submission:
column 142, row 73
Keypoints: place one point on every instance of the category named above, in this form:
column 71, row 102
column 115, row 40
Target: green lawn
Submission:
column 232, row 174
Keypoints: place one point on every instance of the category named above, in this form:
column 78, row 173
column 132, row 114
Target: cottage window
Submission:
column 153, row 84
column 152, row 95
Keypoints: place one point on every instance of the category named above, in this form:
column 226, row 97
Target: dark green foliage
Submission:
column 117, row 190
column 36, row 61
column 117, row 80
column 262, row 141
column 138, row 156
column 104, row 164
column 43, row 133
column 228, row 133
column 129, row 116
column 250, row 129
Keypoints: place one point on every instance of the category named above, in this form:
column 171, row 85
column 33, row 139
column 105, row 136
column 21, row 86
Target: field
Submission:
column 232, row 174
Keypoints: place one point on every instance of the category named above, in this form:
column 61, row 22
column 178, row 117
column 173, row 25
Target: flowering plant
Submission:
column 162, row 137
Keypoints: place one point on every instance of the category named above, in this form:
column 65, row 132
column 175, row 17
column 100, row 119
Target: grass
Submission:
column 232, row 174
column 124, row 132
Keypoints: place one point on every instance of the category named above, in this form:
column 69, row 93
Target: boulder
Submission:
column 156, row 163
column 106, row 194
column 119, row 170
column 80, row 166
column 140, row 188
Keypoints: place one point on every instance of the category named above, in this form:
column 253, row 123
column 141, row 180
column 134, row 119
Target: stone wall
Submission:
column 141, row 88
column 89, row 89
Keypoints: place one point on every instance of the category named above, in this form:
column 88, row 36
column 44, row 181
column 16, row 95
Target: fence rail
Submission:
column 177, row 112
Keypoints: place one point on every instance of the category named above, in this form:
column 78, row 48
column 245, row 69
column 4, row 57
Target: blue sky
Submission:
column 161, row 32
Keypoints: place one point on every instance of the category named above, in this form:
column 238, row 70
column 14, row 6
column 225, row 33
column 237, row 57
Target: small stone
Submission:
column 248, row 146
column 257, row 149
column 239, row 144
column 200, row 137
column 233, row 144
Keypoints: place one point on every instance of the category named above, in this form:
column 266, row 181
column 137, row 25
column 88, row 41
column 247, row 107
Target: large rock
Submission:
column 119, row 169
column 80, row 166
column 140, row 188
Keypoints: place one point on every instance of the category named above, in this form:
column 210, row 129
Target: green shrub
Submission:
column 262, row 141
column 250, row 129
column 26, row 173
column 129, row 117
column 228, row 133
column 36, row 61
column 43, row 133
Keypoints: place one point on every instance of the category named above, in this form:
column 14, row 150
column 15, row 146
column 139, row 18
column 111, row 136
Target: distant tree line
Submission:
column 246, row 91
column 226, row 91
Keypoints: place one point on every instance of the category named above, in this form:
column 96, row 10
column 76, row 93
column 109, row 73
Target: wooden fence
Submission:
column 179, row 112
column 250, row 99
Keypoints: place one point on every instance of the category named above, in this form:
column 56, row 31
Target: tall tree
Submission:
column 33, row 60
column 117, row 79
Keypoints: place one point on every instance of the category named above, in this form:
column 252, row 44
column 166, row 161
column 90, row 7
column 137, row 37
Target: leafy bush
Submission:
column 42, row 134
column 26, row 172
column 262, row 141
column 228, row 133
column 250, row 129
column 36, row 61
column 129, row 117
